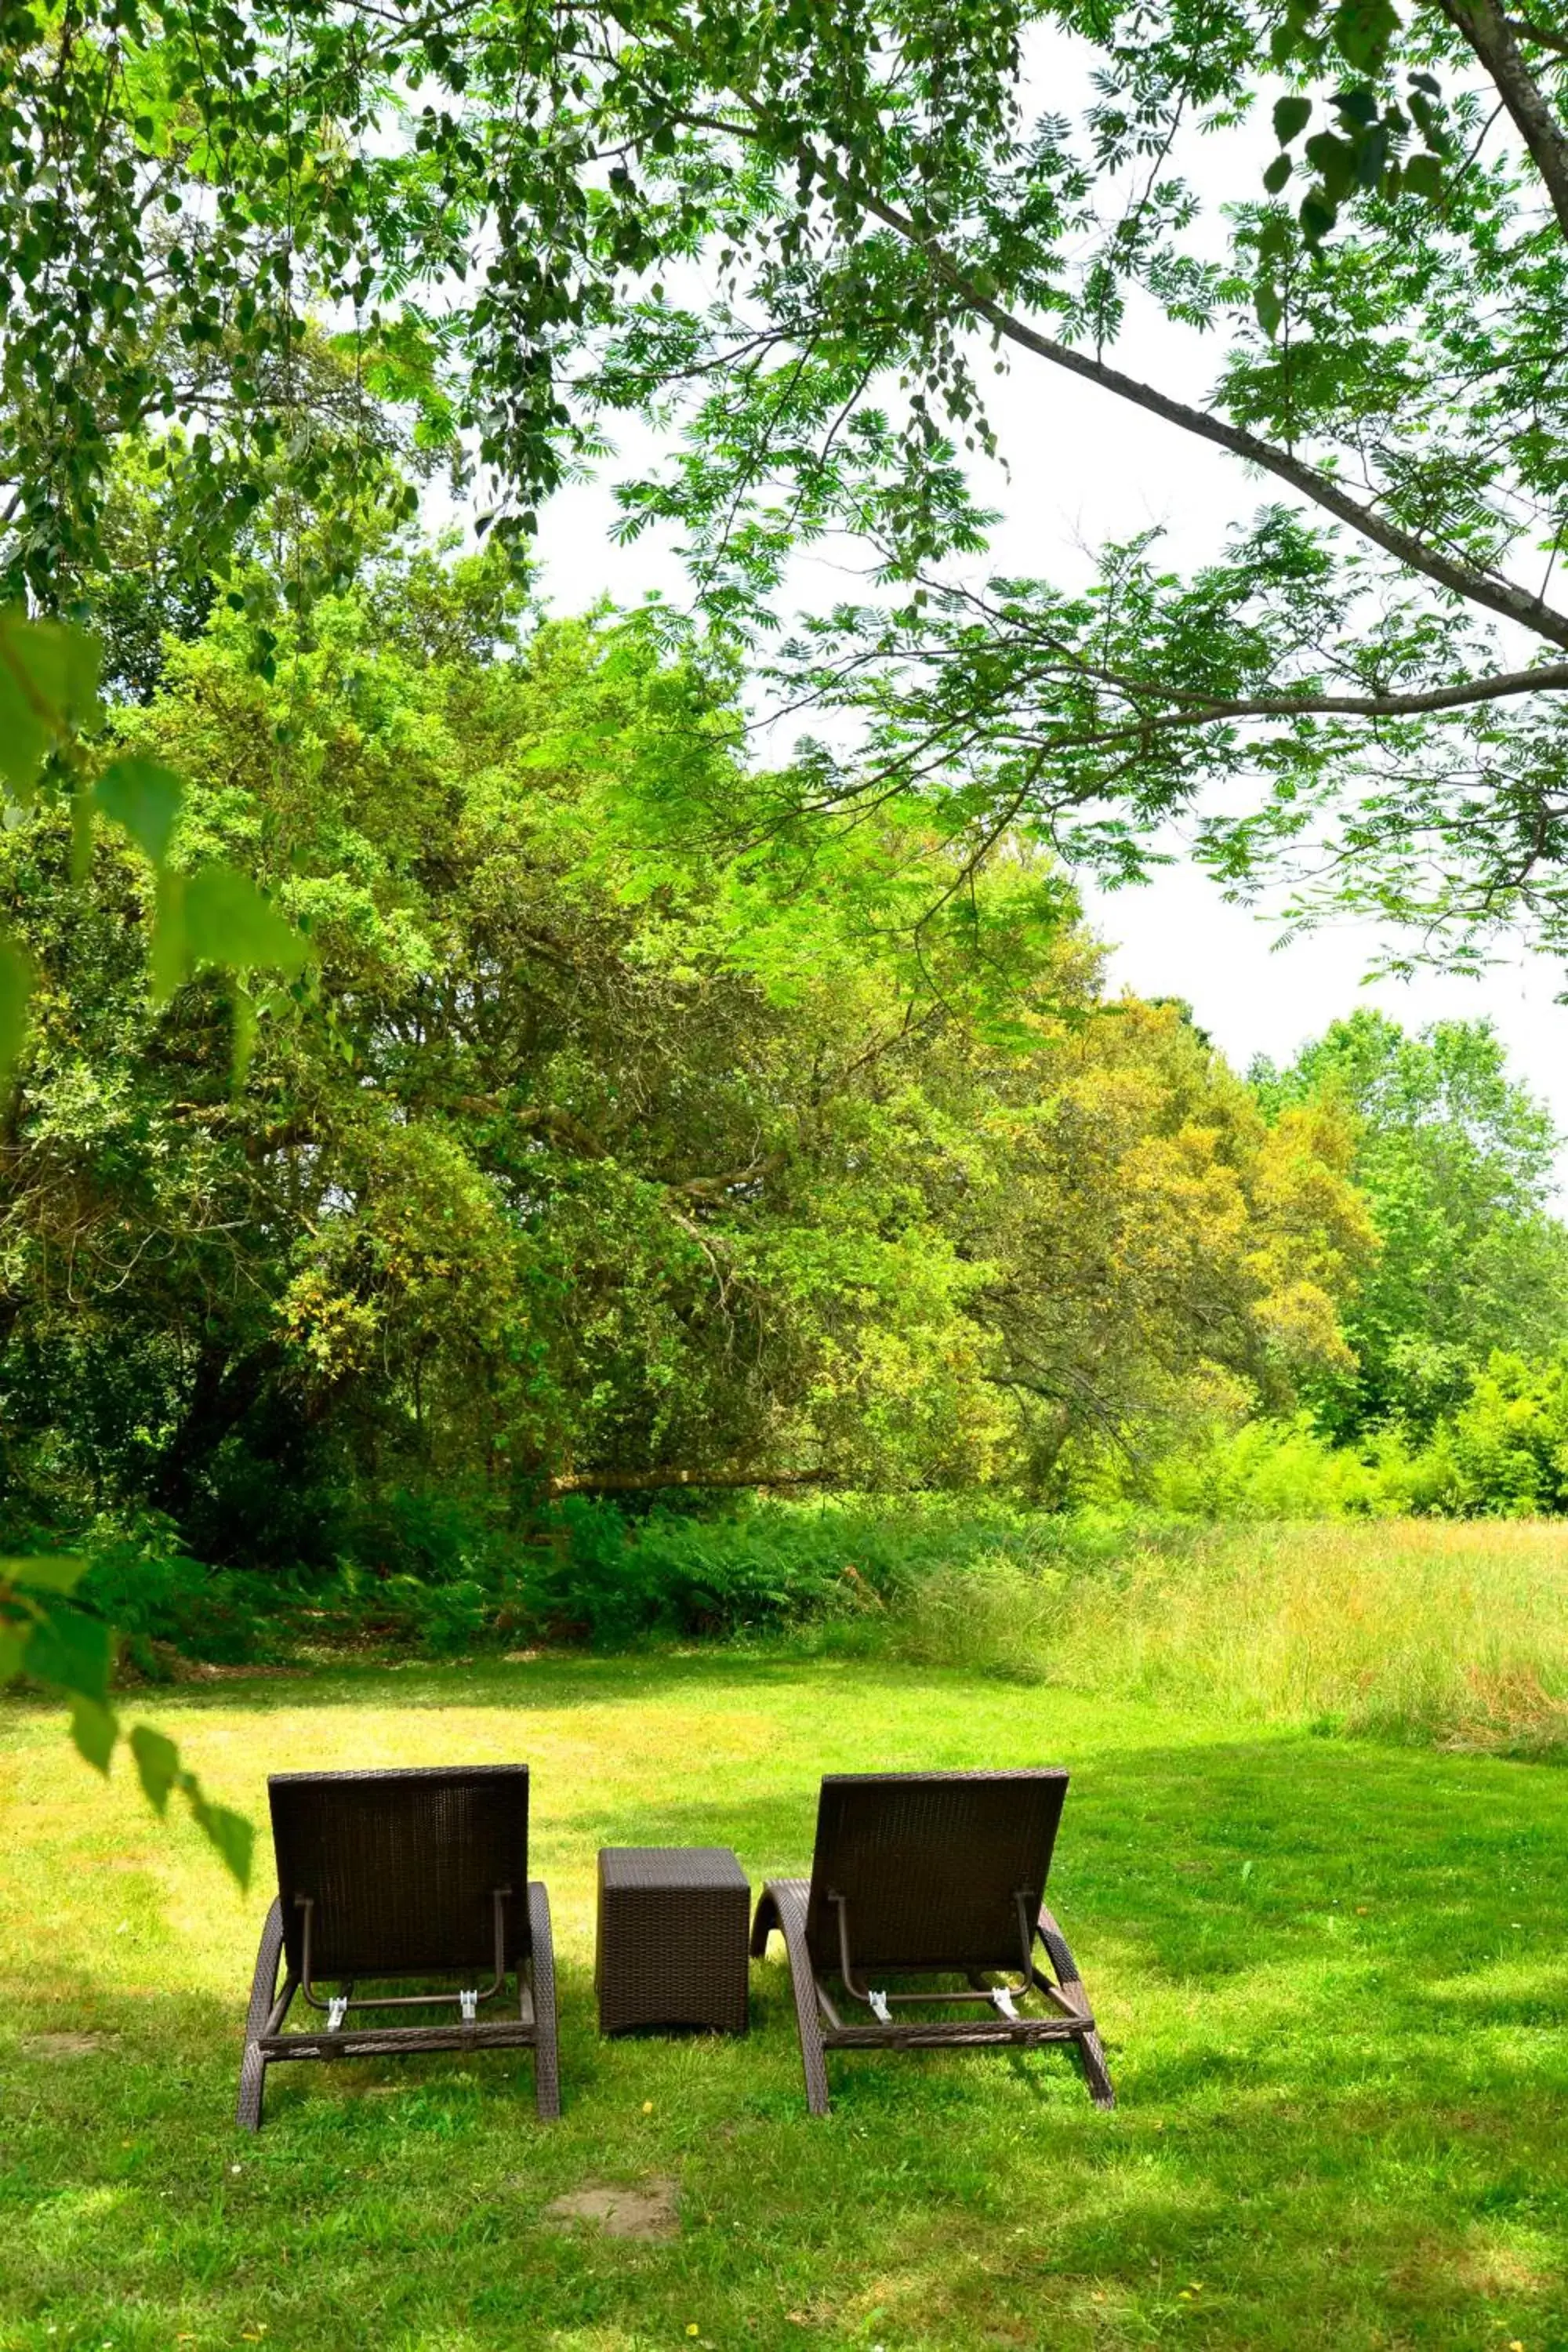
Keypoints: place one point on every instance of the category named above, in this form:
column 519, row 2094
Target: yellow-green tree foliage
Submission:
column 590, row 1150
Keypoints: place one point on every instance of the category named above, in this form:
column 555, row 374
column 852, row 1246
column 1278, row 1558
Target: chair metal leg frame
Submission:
column 266, row 2015
column 783, row 1906
column 540, row 1987
column 467, row 2001
column 1069, row 1988
column 267, row 2043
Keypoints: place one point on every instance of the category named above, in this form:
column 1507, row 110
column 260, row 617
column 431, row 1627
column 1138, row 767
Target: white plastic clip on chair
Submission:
column 879, row 2010
column 337, row 2009
column 469, row 2002
column 1005, row 2003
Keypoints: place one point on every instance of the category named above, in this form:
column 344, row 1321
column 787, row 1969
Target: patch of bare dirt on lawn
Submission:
column 649, row 2213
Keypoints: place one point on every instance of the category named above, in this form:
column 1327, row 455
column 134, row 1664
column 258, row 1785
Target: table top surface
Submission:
column 674, row 1866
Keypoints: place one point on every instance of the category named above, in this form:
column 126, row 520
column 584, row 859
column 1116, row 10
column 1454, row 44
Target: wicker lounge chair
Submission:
column 934, row 1874
column 402, row 1875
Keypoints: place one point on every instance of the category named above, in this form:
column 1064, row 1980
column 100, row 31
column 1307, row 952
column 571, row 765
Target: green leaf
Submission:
column 1371, row 155
column 49, row 687
column 43, row 1572
column 217, row 916
column 1423, row 176
column 1277, row 174
column 71, row 1649
column 1316, row 218
column 1291, row 116
column 231, row 1833
column 1269, row 308
column 15, row 992
column 166, row 957
column 95, row 1730
column 157, row 1762
column 1356, row 107
column 1274, row 239
column 1362, row 30
column 1334, row 162
column 228, row 921
column 145, row 799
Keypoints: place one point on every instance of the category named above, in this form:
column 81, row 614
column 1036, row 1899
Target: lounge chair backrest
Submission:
column 929, row 1865
column 401, row 1868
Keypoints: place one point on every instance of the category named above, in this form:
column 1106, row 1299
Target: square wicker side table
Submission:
column 672, row 1944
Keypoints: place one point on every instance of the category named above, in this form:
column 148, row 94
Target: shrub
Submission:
column 160, row 1600
column 1505, row 1451
column 763, row 1567
column 426, row 1568
column 1502, row 1452
column 610, row 1577
column 1265, row 1470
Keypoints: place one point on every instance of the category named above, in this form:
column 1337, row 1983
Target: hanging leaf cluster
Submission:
column 49, row 1638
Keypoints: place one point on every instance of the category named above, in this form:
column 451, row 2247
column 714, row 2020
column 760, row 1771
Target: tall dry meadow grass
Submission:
column 1449, row 1632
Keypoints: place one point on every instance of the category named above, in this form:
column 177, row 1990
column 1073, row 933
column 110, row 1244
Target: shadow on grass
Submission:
column 1341, row 1892
column 564, row 1678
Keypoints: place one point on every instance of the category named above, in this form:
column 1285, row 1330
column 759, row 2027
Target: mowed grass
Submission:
column 1333, row 1979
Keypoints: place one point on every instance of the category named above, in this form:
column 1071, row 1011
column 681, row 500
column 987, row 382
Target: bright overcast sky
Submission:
column 1084, row 468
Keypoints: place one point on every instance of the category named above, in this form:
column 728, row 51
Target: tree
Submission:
column 207, row 916
column 1374, row 647
column 581, row 1156
column 1377, row 657
column 1456, row 1159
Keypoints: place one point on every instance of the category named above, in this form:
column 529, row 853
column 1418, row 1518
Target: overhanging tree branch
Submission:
column 1462, row 580
column 1202, row 710
column 1490, row 36
column 1524, row 31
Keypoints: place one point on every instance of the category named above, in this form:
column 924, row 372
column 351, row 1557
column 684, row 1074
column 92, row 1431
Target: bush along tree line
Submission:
column 594, row 1158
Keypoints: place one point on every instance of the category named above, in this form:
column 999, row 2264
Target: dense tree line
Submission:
column 587, row 1155
column 1457, row 1161
column 639, row 1116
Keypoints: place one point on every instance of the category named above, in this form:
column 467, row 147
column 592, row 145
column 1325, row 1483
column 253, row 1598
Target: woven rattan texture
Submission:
column 672, row 1939
column 929, row 1865
column 651, row 1866
column 943, row 1909
column 402, row 1868
column 315, row 1816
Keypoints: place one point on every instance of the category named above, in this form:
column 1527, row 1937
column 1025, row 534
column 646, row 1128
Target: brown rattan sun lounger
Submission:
column 402, row 1875
column 931, row 1874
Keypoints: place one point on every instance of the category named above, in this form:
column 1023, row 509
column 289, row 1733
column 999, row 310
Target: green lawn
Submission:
column 1333, row 1979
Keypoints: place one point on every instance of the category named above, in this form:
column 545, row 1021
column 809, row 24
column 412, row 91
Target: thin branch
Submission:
column 1549, row 677
column 1476, row 587
column 1522, row 31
